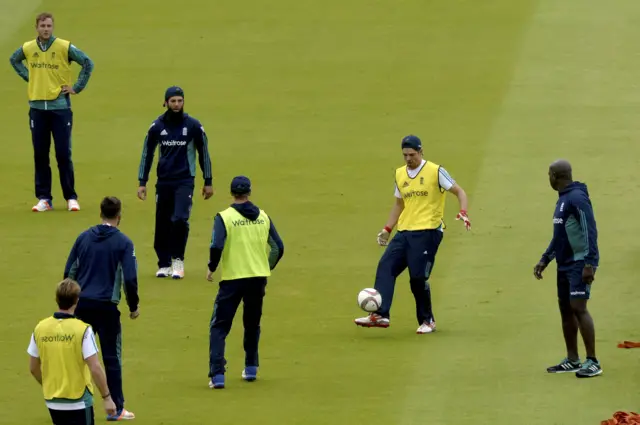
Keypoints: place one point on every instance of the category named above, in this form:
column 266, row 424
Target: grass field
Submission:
column 310, row 99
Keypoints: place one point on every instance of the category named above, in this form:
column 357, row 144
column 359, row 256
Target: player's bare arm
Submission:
column 394, row 215
column 464, row 204
column 461, row 195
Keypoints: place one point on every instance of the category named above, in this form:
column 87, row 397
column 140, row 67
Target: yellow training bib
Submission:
column 48, row 71
column 65, row 375
column 423, row 198
column 245, row 249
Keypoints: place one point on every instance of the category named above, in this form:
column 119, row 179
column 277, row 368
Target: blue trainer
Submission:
column 589, row 369
column 217, row 382
column 250, row 373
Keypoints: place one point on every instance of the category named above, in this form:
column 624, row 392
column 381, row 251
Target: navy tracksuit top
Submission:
column 103, row 262
column 179, row 136
column 575, row 235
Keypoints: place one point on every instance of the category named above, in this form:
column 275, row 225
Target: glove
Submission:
column 462, row 215
column 383, row 236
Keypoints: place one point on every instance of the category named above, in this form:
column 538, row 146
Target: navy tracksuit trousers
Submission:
column 230, row 294
column 173, row 208
column 104, row 318
column 416, row 250
column 44, row 124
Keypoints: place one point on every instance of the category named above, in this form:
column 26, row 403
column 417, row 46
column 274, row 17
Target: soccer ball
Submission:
column 369, row 300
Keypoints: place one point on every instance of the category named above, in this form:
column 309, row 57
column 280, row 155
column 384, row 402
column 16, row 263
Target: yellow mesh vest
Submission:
column 423, row 198
column 48, row 71
column 245, row 248
column 64, row 371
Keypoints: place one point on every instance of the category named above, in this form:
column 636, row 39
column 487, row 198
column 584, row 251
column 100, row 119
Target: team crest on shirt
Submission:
column 184, row 131
column 53, row 55
column 421, row 180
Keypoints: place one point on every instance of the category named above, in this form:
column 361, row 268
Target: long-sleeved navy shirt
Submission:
column 103, row 262
column 179, row 137
column 63, row 101
column 219, row 236
column 575, row 235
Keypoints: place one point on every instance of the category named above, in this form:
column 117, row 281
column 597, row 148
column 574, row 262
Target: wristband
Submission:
column 104, row 397
column 388, row 230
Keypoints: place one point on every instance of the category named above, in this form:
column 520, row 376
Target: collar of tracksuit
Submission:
column 44, row 47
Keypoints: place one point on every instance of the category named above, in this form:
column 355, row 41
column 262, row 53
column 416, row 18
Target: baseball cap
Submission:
column 412, row 142
column 240, row 185
column 173, row 91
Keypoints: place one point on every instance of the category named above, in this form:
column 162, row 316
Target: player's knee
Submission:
column 565, row 307
column 41, row 156
column 63, row 162
column 63, row 158
column 579, row 306
column 180, row 219
column 251, row 327
column 220, row 325
column 419, row 284
column 386, row 266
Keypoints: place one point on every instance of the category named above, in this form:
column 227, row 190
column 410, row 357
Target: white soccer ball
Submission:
column 369, row 300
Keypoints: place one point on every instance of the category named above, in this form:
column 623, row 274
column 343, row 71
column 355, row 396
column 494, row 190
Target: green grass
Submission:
column 310, row 99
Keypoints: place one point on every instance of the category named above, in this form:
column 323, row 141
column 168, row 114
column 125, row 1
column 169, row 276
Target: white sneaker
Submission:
column 73, row 205
column 164, row 272
column 373, row 321
column 178, row 269
column 124, row 415
column 42, row 205
column 426, row 328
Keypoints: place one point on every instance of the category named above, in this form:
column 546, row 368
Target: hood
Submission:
column 575, row 186
column 102, row 232
column 247, row 210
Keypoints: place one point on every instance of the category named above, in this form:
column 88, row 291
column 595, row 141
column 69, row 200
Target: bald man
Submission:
column 574, row 246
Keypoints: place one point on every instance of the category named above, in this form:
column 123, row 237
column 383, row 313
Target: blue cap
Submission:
column 412, row 142
column 173, row 91
column 240, row 185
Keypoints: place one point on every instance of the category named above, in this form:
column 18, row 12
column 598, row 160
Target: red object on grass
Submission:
column 629, row 344
column 623, row 418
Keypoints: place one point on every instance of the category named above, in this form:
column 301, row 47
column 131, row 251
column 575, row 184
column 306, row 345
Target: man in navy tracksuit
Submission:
column 179, row 137
column 575, row 248
column 103, row 262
